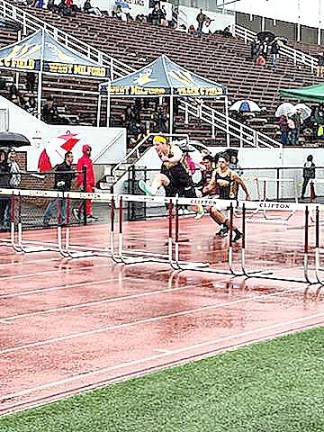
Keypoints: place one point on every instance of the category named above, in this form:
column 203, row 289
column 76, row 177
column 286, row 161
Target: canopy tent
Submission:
column 314, row 93
column 41, row 53
column 162, row 77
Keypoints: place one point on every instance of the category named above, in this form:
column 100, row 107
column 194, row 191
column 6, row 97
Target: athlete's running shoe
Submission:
column 145, row 188
column 237, row 237
column 199, row 214
column 223, row 231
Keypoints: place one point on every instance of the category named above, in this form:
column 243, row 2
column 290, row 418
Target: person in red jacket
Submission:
column 85, row 163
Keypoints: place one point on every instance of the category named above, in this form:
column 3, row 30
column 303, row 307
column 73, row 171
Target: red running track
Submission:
column 66, row 326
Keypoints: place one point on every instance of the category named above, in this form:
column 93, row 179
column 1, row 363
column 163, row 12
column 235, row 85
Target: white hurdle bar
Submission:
column 172, row 257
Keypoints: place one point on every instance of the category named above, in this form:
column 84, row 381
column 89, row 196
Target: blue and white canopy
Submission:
column 163, row 77
column 40, row 52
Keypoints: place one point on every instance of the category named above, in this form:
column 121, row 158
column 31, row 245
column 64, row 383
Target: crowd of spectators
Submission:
column 266, row 48
column 157, row 16
column 293, row 127
column 138, row 124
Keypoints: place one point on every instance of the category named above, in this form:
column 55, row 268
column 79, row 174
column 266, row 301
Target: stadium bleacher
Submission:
column 224, row 60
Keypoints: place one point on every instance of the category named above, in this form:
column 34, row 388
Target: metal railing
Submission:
column 137, row 153
column 293, row 54
column 246, row 136
column 31, row 23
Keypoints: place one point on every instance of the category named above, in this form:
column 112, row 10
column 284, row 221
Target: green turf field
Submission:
column 267, row 387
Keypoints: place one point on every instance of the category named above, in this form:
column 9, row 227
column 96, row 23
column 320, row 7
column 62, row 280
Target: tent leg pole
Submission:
column 39, row 96
column 227, row 123
column 171, row 114
column 108, row 107
column 99, row 110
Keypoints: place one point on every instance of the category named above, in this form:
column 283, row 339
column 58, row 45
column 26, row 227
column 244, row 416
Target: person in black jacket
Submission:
column 64, row 175
column 4, row 183
column 308, row 174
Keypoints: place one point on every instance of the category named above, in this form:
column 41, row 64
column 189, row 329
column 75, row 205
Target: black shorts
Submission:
column 180, row 182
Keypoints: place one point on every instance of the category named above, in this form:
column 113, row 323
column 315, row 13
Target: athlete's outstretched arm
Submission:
column 240, row 182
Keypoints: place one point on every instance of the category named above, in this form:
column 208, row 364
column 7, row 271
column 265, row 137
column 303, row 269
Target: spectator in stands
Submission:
column 274, row 51
column 320, row 66
column 30, row 81
column 206, row 26
column 164, row 21
column 4, row 183
column 120, row 14
column 201, row 18
column 283, row 124
column 227, row 32
column 90, row 9
column 52, row 6
column 31, row 106
column 292, row 135
column 137, row 130
column 13, row 92
column 160, row 119
column 309, row 172
column 64, row 175
column 260, row 60
column 156, row 14
column 21, row 101
column 137, row 109
column 65, row 9
column 298, row 123
column 235, row 166
column 141, row 18
column 264, row 48
column 38, row 4
column 192, row 30
column 85, row 165
column 129, row 117
column 255, row 48
column 50, row 113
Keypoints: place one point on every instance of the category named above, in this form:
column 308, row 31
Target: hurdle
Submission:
column 136, row 256
column 194, row 266
column 318, row 251
column 30, row 246
column 264, row 274
column 69, row 250
column 172, row 256
column 11, row 240
column 262, row 197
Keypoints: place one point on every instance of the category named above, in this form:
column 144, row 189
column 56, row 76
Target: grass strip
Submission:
column 276, row 386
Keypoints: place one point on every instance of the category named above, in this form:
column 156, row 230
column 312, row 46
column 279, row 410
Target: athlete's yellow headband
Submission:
column 159, row 139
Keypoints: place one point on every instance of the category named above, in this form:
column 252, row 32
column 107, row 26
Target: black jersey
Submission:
column 224, row 185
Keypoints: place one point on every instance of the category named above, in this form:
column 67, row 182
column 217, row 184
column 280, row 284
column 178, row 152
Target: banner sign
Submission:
column 75, row 69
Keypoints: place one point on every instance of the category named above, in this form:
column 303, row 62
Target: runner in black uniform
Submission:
column 225, row 181
column 174, row 176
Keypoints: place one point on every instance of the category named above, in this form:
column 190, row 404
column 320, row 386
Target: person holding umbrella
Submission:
column 4, row 183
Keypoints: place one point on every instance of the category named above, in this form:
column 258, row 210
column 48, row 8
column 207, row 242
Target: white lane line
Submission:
column 160, row 356
column 4, row 322
column 163, row 351
column 134, row 323
column 75, row 269
column 23, row 262
column 66, row 286
column 96, row 303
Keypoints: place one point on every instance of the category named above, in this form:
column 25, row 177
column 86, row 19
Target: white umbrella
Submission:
column 304, row 110
column 245, row 105
column 285, row 109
